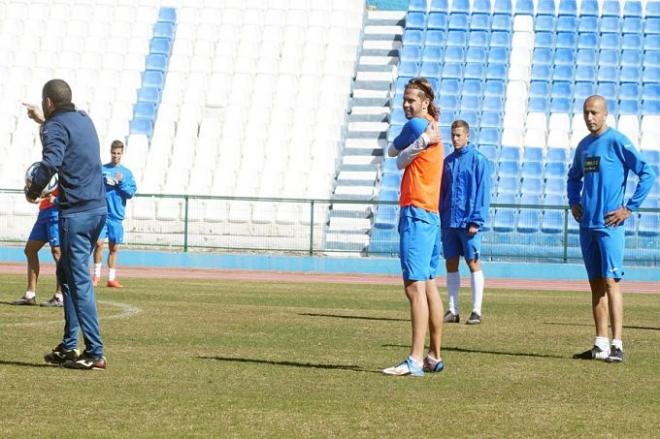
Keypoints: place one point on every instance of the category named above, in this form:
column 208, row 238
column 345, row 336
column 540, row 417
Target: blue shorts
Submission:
column 602, row 251
column 419, row 247
column 113, row 230
column 46, row 229
column 457, row 242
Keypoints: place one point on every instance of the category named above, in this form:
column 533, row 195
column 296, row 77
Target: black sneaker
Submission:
column 595, row 353
column 616, row 355
column 25, row 301
column 59, row 355
column 53, row 302
column 86, row 361
column 450, row 317
column 474, row 319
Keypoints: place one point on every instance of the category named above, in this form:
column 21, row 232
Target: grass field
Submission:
column 234, row 359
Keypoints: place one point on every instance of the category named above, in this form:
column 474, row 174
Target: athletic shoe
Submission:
column 407, row 367
column 474, row 319
column 450, row 317
column 114, row 284
column 54, row 302
column 431, row 365
column 616, row 355
column 86, row 361
column 25, row 301
column 59, row 355
column 95, row 281
column 595, row 353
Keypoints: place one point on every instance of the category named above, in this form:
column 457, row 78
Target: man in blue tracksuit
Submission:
column 596, row 184
column 71, row 148
column 119, row 187
column 464, row 204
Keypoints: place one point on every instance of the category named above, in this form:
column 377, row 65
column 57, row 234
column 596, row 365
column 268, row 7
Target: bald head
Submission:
column 595, row 114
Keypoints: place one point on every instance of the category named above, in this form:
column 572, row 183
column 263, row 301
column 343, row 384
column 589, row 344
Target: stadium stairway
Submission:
column 366, row 138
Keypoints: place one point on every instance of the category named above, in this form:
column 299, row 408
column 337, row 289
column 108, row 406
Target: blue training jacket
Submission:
column 117, row 194
column 71, row 149
column 465, row 188
column 597, row 177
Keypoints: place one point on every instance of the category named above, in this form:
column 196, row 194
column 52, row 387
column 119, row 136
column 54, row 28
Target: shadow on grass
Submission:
column 338, row 316
column 350, row 367
column 21, row 363
column 644, row 328
column 480, row 351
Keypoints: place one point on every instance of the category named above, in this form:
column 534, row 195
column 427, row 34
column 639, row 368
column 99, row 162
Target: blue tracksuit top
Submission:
column 597, row 177
column 465, row 189
column 71, row 149
column 116, row 195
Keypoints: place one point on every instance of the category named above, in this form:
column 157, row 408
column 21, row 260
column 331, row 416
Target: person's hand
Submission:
column 576, row 210
column 433, row 133
column 616, row 217
column 472, row 230
column 29, row 199
column 34, row 113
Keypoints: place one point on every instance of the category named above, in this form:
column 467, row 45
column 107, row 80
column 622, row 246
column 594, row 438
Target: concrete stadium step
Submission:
column 386, row 76
column 356, row 118
column 368, row 126
column 380, row 60
column 386, row 29
column 381, row 102
column 352, row 210
column 379, row 14
column 367, row 144
column 370, row 110
column 340, row 224
column 357, row 178
column 371, row 94
column 389, row 45
column 346, row 241
column 377, row 67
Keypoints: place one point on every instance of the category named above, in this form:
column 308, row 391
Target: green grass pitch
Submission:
column 205, row 358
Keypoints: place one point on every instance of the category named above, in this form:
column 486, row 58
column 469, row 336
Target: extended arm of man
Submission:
column 54, row 138
column 574, row 185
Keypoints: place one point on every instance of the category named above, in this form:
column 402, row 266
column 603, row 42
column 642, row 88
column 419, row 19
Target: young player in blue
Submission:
column 119, row 187
column 464, row 204
column 71, row 148
column 596, row 184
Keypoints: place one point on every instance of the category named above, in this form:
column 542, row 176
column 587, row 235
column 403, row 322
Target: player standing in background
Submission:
column 464, row 204
column 596, row 184
column 70, row 148
column 419, row 228
column 45, row 230
column 119, row 187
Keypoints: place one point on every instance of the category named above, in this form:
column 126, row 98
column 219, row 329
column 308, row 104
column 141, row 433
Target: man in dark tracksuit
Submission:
column 71, row 149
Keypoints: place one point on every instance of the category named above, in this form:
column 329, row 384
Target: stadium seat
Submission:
column 545, row 39
column 632, row 8
column 460, row 6
column 457, row 38
column 541, row 72
column 539, row 89
column 474, row 71
column 413, row 37
column 458, row 21
column 450, row 86
column 630, row 74
column 588, row 24
column 563, row 73
column 610, row 29
column 452, row 70
column 632, row 25
column 145, row 110
column 650, row 107
column 565, row 56
column 556, row 155
column 524, row 7
column 478, row 54
column 631, row 41
column 543, row 55
column 587, row 40
column 505, row 220
column 589, row 8
column 538, row 104
column 545, row 7
column 473, row 87
column 529, row 221
column 502, row 22
column 587, row 57
column 651, row 25
column 156, row 62
column 161, row 46
column 411, row 53
column 495, row 87
column 416, row 20
column 478, row 39
column 567, row 8
column 567, row 24
column 651, row 42
column 439, row 6
column 417, row 6
column 629, row 91
column 430, row 70
column 387, row 217
column 584, row 73
column 408, row 69
column 480, row 22
column 432, row 54
column 437, row 21
column 531, row 168
column 503, row 7
column 631, row 57
column 454, row 55
column 471, row 117
column 651, row 75
column 149, row 94
column 561, row 89
column 553, row 221
column 142, row 126
column 611, row 8
column 481, row 7
column 584, row 89
column 490, row 135
column 490, row 151
column 500, row 39
column 498, row 55
column 566, row 39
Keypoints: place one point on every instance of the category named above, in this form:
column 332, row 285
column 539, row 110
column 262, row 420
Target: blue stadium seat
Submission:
column 553, row 221
column 161, row 46
column 505, row 220
column 613, row 106
column 455, row 54
column 430, row 70
column 584, row 89
column 156, row 62
column 500, row 39
column 629, row 90
column 432, row 54
column 481, row 7
column 610, row 25
column 545, row 7
column 541, row 72
column 652, row 157
column 498, row 55
column 153, row 78
column 413, row 37
column 566, row 39
column 502, row 22
column 496, row 71
column 534, row 199
column 556, row 155
column 631, row 57
column 524, row 7
column 529, row 221
column 490, row 151
column 629, row 106
column 491, row 119
column 533, row 154
column 589, row 8
column 588, row 24
column 609, row 57
column 145, row 110
column 398, row 117
column 490, row 135
column 480, row 22
column 439, row 6
column 387, row 216
column 542, row 55
column 587, row 57
column 457, row 38
column 417, row 6
column 567, row 7
column 631, row 41
column 630, row 74
column 446, row 119
column 531, row 168
column 538, row 104
column 562, row 89
column 493, row 103
column 652, row 9
column 142, row 126
column 567, row 23
column 545, row 39
column 560, row 105
column 435, row 38
column 587, row 40
column 478, row 38
column 495, row 87
column 408, row 69
column 564, row 56
column 400, row 85
column 652, row 42
column 545, row 23
column 458, row 21
column 411, row 54
column 149, row 94
column 507, row 185
column 554, row 200
column 651, row 59
column 471, row 117
column 511, row 154
column 608, row 73
column 477, row 54
column 389, row 195
column 452, row 70
column 167, row 15
column 649, row 224
column 632, row 8
column 651, row 91
column 650, row 107
column 632, row 25
column 611, row 8
column 555, row 186
column 163, row 30
column 391, row 181
column 460, row 6
column 389, row 166
column 539, row 88
column 508, row 168
column 416, row 20
column 473, row 87
column 652, row 26
column 563, row 73
column 532, row 185
column 585, row 73
column 503, row 7
column 474, row 71
column 556, row 169
column 450, row 86
column 448, row 103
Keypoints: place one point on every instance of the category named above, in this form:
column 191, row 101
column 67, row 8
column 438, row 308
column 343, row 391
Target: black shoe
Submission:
column 595, row 353
column 474, row 319
column 86, row 361
column 53, row 302
column 616, row 355
column 59, row 355
column 450, row 317
column 25, row 301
